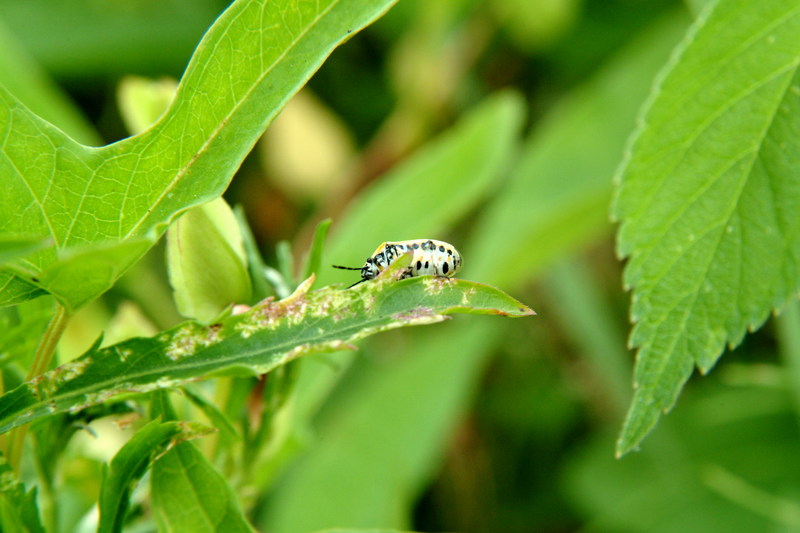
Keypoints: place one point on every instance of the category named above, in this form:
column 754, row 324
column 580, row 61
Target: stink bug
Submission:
column 429, row 257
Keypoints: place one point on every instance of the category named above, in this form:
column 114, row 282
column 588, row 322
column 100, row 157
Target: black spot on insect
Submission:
column 441, row 248
column 445, row 268
column 431, row 246
column 426, row 264
column 449, row 251
column 416, row 246
column 419, row 265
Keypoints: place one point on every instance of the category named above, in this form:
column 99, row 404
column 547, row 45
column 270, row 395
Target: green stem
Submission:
column 41, row 361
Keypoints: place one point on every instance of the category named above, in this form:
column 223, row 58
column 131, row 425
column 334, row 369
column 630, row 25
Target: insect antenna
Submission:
column 357, row 282
column 346, row 268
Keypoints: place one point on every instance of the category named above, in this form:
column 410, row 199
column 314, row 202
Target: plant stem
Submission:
column 41, row 361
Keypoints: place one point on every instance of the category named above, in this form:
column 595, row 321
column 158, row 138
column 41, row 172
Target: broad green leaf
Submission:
column 189, row 494
column 708, row 199
column 120, row 197
column 129, row 465
column 207, row 262
column 267, row 336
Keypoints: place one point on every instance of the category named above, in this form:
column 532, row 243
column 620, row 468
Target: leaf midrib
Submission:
column 226, row 120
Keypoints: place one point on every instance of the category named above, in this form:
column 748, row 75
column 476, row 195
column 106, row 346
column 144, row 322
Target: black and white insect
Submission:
column 429, row 257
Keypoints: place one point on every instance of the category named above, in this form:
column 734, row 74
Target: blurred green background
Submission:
column 509, row 117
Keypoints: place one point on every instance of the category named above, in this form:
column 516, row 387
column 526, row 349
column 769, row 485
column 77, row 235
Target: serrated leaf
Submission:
column 129, row 465
column 267, row 336
column 709, row 198
column 121, row 197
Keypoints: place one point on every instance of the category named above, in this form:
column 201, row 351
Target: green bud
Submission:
column 206, row 261
column 141, row 101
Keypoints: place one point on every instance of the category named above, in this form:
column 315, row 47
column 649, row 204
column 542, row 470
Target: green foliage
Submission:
column 476, row 423
column 189, row 494
column 522, row 230
column 206, row 261
column 18, row 509
column 103, row 208
column 252, row 343
column 130, row 464
column 708, row 199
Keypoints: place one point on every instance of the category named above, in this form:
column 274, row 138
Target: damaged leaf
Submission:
column 268, row 335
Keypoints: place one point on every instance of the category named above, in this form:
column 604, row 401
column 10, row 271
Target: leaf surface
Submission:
column 104, row 207
column 267, row 336
column 189, row 493
column 709, row 197
column 129, row 465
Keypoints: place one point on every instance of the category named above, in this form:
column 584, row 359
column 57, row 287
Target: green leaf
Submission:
column 267, row 336
column 16, row 246
column 189, row 494
column 219, row 419
column 120, row 197
column 129, row 465
column 314, row 259
column 708, row 199
column 19, row 512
